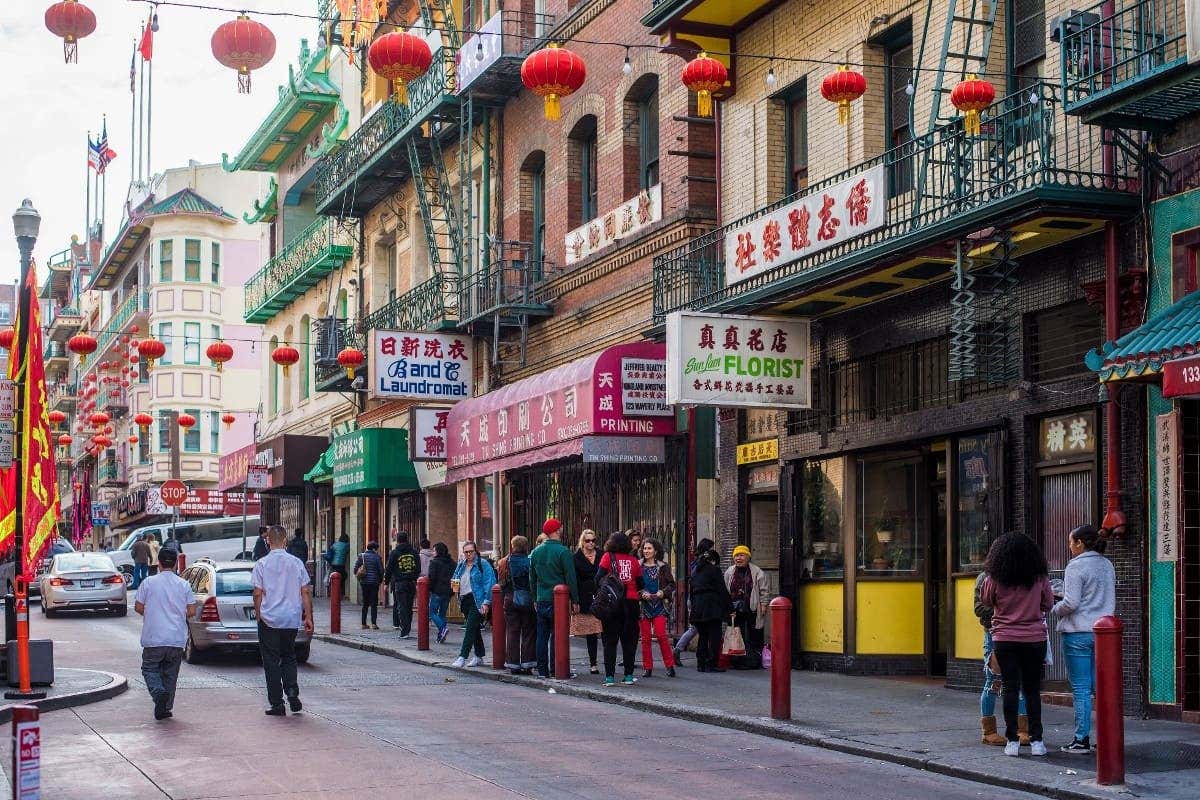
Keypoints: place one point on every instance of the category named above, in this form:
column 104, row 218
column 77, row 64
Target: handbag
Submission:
column 585, row 625
column 732, row 643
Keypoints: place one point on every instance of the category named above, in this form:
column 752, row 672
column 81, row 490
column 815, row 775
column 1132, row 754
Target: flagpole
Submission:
column 87, row 214
column 150, row 117
column 132, row 114
column 141, row 117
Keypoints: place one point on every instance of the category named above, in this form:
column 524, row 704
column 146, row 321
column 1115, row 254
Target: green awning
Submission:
column 1173, row 332
column 322, row 471
column 369, row 461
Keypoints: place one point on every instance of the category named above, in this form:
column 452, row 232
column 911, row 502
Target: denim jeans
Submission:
column 991, row 684
column 140, row 571
column 438, row 605
column 160, row 671
column 1079, row 650
column 545, row 628
column 403, row 593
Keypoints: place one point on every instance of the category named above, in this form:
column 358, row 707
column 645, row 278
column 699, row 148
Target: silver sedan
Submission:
column 83, row 581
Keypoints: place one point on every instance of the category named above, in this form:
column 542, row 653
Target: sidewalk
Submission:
column 918, row 723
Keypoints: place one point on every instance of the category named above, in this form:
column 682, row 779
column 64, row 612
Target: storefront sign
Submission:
column 625, row 449
column 762, row 423
column 287, row 458
column 258, row 476
column 816, row 221
column 369, row 461
column 1166, row 534
column 203, row 503
column 763, row 479
column 644, row 388
column 420, row 366
column 131, row 505
column 1181, row 377
column 430, row 474
column 731, row 360
column 1068, row 436
column 478, row 53
column 624, row 220
column 7, row 442
column 427, row 433
column 100, row 513
column 8, row 399
column 231, row 469
column 752, row 452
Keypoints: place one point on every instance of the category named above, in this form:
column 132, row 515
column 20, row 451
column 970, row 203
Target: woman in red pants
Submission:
column 658, row 588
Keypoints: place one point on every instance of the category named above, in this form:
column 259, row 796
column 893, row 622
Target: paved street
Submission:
column 400, row 730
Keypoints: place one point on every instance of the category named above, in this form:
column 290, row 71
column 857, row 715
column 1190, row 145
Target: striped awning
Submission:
column 1172, row 333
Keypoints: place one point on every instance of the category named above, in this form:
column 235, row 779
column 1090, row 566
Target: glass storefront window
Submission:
column 823, row 493
column 980, row 494
column 891, row 516
column 485, row 513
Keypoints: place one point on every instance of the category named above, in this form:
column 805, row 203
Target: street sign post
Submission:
column 7, row 438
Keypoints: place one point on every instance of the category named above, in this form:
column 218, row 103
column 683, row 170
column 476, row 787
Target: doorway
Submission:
column 937, row 585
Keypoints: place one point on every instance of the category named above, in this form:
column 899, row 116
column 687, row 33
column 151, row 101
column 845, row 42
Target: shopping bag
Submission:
column 585, row 625
column 732, row 644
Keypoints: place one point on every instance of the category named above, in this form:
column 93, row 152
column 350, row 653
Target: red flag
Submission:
column 146, row 48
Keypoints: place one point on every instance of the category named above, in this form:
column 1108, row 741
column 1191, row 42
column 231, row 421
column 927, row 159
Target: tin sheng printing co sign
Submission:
column 729, row 360
column 420, row 366
column 819, row 220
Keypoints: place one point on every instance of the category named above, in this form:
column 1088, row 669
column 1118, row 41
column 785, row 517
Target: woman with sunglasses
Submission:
column 587, row 562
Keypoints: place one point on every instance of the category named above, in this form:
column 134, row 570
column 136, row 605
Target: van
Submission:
column 218, row 538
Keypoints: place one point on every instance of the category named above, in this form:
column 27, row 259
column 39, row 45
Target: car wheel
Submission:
column 121, row 611
column 192, row 654
column 127, row 574
column 302, row 652
column 47, row 611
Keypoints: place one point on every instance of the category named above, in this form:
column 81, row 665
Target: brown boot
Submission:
column 1023, row 730
column 988, row 726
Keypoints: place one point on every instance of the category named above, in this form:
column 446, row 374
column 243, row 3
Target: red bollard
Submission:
column 335, row 603
column 1110, row 721
column 562, row 632
column 26, row 752
column 781, row 658
column 498, row 641
column 422, row 613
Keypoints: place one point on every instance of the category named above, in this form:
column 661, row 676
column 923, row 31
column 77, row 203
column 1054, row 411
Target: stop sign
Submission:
column 174, row 493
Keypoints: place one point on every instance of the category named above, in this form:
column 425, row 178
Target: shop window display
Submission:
column 891, row 517
column 823, row 493
column 980, row 494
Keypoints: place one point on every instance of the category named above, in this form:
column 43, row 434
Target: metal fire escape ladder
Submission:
column 439, row 15
column 966, row 43
column 432, row 183
column 983, row 316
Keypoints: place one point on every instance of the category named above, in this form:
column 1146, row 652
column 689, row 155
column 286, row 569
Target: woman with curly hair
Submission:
column 1017, row 589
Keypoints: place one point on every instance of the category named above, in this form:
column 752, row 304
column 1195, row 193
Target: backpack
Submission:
column 518, row 573
column 610, row 591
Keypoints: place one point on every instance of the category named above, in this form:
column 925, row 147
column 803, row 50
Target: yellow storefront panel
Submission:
column 821, row 617
column 968, row 633
column 891, row 618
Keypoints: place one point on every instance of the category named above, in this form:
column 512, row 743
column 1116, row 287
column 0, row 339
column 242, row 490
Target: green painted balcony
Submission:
column 1125, row 64
column 135, row 308
column 111, row 472
column 63, row 322
column 365, row 169
column 1042, row 175
column 510, row 287
column 323, row 247
column 55, row 357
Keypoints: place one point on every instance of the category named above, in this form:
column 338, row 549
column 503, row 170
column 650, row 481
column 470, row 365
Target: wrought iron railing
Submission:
column 135, row 302
column 53, row 350
column 1025, row 144
column 1108, row 51
column 513, row 280
column 385, row 128
column 326, row 237
column 68, row 314
column 332, row 336
column 110, row 471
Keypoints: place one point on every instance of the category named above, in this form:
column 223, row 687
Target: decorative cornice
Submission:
column 267, row 209
column 331, row 134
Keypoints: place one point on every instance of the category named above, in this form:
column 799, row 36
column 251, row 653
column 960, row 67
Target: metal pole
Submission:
column 245, row 495
column 87, row 174
column 1110, row 724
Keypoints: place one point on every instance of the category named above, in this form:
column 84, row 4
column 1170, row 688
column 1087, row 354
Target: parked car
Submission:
column 83, row 581
column 9, row 568
column 225, row 620
column 218, row 538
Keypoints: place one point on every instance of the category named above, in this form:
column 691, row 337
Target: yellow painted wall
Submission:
column 821, row 617
column 891, row 618
column 968, row 633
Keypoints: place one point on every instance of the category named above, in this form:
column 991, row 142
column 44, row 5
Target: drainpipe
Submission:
column 1114, row 518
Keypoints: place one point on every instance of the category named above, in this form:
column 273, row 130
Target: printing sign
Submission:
column 415, row 365
column 644, row 388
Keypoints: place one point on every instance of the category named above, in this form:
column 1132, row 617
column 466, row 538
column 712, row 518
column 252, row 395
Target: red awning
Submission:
column 620, row 391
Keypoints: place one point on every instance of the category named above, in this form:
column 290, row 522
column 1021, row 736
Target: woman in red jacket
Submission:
column 623, row 626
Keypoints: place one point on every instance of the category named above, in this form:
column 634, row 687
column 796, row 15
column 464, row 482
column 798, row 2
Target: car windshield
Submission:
column 234, row 581
column 73, row 561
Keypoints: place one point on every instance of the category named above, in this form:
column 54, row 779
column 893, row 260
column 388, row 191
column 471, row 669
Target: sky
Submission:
column 48, row 107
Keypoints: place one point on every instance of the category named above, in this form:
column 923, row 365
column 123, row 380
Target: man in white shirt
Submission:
column 282, row 604
column 166, row 603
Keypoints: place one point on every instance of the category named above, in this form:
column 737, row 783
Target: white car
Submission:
column 79, row 581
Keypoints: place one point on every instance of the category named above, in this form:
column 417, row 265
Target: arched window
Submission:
column 290, row 340
column 583, row 179
column 305, row 348
column 640, row 142
column 533, row 208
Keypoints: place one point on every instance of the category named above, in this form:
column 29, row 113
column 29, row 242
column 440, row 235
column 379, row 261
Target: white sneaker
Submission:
column 473, row 661
column 1037, row 748
column 1010, row 748
column 459, row 662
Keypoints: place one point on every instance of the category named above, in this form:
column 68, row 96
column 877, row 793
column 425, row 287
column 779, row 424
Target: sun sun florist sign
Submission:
column 729, row 360
column 415, row 365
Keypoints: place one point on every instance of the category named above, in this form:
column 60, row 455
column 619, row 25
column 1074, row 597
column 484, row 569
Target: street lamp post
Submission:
column 26, row 224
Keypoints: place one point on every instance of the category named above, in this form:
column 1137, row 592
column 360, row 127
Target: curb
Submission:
column 756, row 725
column 117, row 684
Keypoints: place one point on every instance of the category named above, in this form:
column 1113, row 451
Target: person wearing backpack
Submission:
column 710, row 606
column 520, row 619
column 369, row 571
column 549, row 565
column 621, row 618
column 656, row 594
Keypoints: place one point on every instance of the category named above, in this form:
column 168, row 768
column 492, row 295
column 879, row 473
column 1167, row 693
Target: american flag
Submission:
column 100, row 155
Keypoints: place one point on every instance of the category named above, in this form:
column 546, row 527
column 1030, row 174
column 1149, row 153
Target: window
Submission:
column 166, row 260
column 648, row 139
column 343, row 306
column 539, row 217
column 898, row 60
column 216, row 333
column 166, row 335
column 191, row 260
column 582, row 176
column 274, row 368
column 1028, row 47
column 824, row 486
column 143, row 448
column 191, row 342
column 305, row 349
column 1058, row 339
column 164, row 431
column 797, row 138
column 891, row 515
column 979, row 461
column 191, row 439
column 532, row 220
column 216, row 263
column 214, row 431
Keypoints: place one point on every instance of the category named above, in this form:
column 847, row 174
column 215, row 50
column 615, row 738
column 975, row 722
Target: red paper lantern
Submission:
column 134, row 342
column 228, row 419
column 99, row 419
column 77, row 485
column 133, row 329
column 133, row 359
column 400, row 57
column 245, row 45
column 704, row 75
column 56, row 417
column 6, row 338
column 151, row 349
column 843, row 87
column 552, row 73
column 71, row 21
column 133, row 440
column 285, row 356
column 143, row 420
column 351, row 359
column 219, row 353
column 82, row 345
column 108, row 429
column 124, row 384
column 971, row 97
column 64, row 440
column 186, row 421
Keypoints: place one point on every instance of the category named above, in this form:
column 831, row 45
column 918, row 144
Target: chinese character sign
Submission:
column 613, row 226
column 420, row 366
column 1068, row 437
column 729, row 360
column 644, row 388
column 816, row 221
column 1166, row 501
column 427, row 433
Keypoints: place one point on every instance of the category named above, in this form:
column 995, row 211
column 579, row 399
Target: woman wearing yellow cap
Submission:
column 749, row 590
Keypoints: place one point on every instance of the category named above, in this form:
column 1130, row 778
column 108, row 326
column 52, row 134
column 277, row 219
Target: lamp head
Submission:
column 26, row 220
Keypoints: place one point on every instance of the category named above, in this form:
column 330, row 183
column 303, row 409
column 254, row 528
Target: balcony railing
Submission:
column 114, row 400
column 386, row 128
column 320, row 249
column 136, row 302
column 1107, row 55
column 54, row 350
column 512, row 283
column 110, row 473
column 951, row 181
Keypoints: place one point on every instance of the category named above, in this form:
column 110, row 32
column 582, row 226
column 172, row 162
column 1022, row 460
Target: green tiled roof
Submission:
column 322, row 471
column 1172, row 333
column 185, row 201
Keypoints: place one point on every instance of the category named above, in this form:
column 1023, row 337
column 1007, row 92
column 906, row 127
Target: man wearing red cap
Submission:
column 550, row 564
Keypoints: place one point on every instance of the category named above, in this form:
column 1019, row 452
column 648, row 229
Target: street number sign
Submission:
column 174, row 493
column 1181, row 377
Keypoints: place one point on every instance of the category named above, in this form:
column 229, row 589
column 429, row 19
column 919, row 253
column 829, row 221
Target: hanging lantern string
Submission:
column 625, row 46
